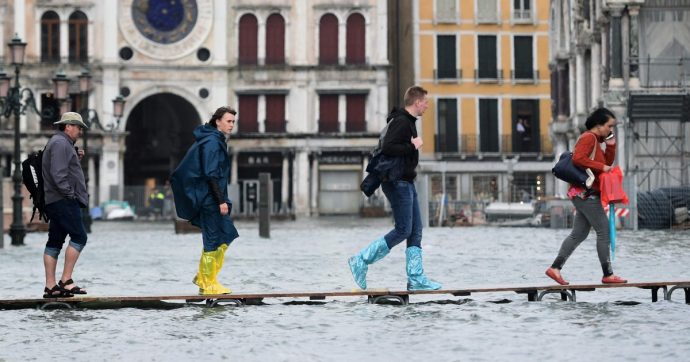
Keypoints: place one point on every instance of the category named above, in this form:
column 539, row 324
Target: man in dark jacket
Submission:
column 401, row 141
column 65, row 195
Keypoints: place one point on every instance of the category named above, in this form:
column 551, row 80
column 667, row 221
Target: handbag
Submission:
column 567, row 171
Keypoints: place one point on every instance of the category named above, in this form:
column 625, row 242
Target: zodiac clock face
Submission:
column 166, row 29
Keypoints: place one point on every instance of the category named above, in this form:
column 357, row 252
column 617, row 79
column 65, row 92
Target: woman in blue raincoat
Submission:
column 199, row 187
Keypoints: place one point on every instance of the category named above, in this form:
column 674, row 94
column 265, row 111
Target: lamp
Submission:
column 15, row 101
column 61, row 83
column 17, row 51
column 84, row 87
column 4, row 84
column 118, row 107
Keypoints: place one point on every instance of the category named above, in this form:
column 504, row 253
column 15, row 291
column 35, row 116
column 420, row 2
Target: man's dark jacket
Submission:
column 396, row 157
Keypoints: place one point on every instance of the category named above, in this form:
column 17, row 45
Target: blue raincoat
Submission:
column 207, row 159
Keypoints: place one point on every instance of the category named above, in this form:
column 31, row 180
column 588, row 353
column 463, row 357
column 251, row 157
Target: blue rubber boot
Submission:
column 416, row 280
column 359, row 264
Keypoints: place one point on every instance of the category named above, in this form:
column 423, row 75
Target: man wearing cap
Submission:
column 65, row 195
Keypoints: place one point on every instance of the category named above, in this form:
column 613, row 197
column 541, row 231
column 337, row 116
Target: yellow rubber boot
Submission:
column 219, row 254
column 206, row 277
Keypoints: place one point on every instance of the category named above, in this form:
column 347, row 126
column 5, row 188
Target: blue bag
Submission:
column 565, row 170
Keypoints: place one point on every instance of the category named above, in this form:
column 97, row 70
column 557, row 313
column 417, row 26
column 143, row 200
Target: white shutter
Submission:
column 487, row 11
column 446, row 11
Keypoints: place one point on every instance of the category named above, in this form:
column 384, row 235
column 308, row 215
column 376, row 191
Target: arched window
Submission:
column 50, row 37
column 78, row 37
column 275, row 39
column 248, row 39
column 355, row 40
column 328, row 39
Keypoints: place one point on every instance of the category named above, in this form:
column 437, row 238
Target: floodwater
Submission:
column 310, row 255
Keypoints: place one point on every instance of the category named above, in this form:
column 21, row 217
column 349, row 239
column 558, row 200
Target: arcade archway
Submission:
column 160, row 132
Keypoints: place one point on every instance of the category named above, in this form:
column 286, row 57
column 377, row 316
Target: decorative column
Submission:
column 342, row 37
column 625, row 47
column 64, row 40
column 342, row 113
column 300, row 189
column 234, row 168
column 595, row 68
column 261, row 113
column 261, row 40
column 284, row 183
column 314, row 207
column 616, row 43
column 580, row 84
column 634, row 49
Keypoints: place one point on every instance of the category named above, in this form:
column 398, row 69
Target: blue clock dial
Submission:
column 164, row 21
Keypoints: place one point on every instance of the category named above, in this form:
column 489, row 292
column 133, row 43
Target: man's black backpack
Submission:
column 32, row 176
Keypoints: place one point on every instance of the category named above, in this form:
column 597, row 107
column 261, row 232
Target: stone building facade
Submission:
column 486, row 135
column 633, row 57
column 309, row 80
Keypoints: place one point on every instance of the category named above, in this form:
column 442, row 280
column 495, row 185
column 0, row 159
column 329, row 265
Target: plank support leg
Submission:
column 565, row 294
column 389, row 299
column 664, row 294
column 685, row 288
column 55, row 305
column 212, row 303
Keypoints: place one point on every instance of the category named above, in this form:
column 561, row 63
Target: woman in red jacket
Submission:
column 590, row 213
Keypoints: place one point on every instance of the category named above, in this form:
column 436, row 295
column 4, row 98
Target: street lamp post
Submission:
column 15, row 102
column 84, row 86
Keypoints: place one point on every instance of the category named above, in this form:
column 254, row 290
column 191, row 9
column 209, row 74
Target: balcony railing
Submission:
column 661, row 72
column 524, row 76
column 275, row 126
column 488, row 18
column 451, row 76
column 488, row 75
column 355, row 126
column 522, row 16
column 328, row 126
column 472, row 144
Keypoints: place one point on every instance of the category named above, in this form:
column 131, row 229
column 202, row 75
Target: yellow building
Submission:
column 485, row 65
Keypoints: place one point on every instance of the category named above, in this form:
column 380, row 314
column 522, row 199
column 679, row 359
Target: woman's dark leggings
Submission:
column 590, row 214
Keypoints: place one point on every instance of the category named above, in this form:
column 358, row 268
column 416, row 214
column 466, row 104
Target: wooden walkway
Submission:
column 533, row 293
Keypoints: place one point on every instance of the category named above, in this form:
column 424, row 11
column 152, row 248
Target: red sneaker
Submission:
column 613, row 279
column 551, row 273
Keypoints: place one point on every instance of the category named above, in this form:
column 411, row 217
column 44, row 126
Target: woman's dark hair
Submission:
column 218, row 114
column 599, row 117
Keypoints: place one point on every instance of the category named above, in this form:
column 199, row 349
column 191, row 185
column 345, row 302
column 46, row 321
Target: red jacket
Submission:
column 583, row 149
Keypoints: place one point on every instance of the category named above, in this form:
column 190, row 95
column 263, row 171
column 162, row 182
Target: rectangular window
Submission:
column 526, row 134
column 486, row 58
column 247, row 113
column 50, row 41
column 488, row 125
column 522, row 10
column 356, row 121
column 523, row 67
column 446, row 57
column 447, row 137
column 487, row 11
column 275, row 113
column 446, row 11
column 328, row 113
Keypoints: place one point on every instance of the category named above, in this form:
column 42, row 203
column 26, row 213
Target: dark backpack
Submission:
column 32, row 177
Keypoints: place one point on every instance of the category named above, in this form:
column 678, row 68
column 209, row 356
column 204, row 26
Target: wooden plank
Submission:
column 9, row 303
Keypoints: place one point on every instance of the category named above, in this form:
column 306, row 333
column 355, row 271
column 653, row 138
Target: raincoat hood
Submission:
column 206, row 130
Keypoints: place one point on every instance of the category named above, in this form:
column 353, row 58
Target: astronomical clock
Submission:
column 166, row 29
